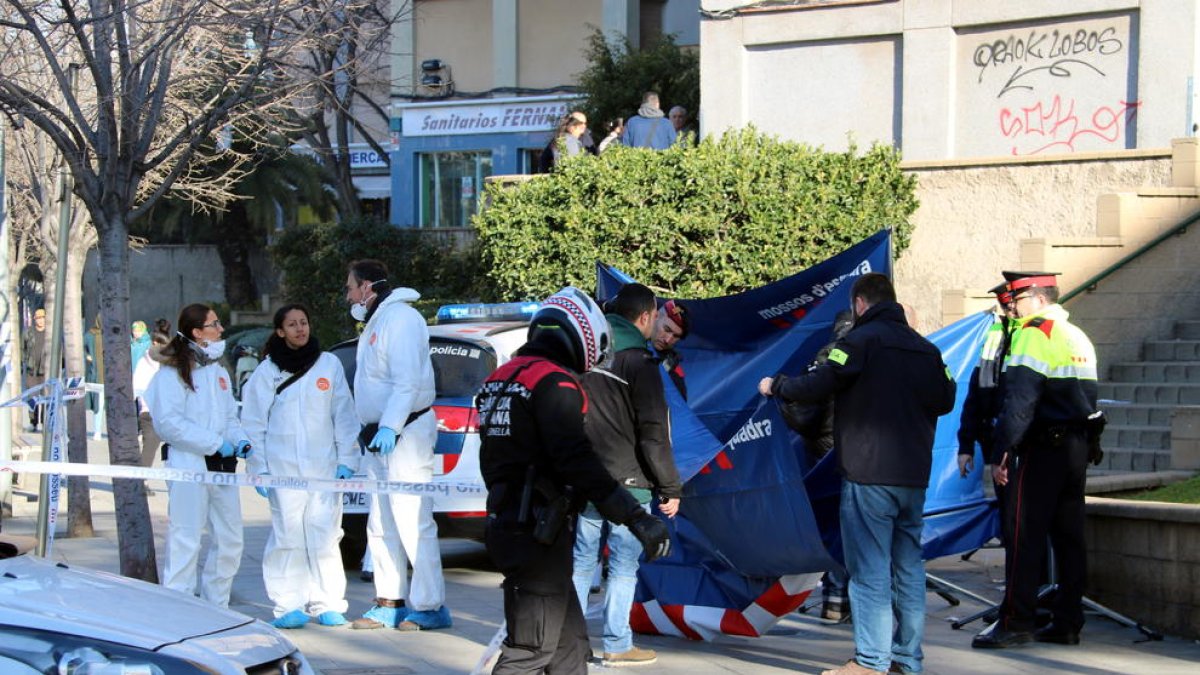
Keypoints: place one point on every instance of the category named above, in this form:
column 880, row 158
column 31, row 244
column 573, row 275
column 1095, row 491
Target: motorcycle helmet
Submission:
column 572, row 322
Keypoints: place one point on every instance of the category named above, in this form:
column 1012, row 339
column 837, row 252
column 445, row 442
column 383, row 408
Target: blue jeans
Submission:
column 881, row 537
column 623, row 552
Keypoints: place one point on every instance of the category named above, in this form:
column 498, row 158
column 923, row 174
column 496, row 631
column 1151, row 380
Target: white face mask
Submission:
column 211, row 351
column 358, row 311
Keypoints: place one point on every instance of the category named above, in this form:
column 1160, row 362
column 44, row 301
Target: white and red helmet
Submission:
column 574, row 321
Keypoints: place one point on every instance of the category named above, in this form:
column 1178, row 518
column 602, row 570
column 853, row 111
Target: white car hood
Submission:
column 36, row 593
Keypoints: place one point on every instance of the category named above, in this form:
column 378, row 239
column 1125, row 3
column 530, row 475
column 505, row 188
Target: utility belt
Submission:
column 534, row 506
column 367, row 434
column 213, row 462
column 1053, row 435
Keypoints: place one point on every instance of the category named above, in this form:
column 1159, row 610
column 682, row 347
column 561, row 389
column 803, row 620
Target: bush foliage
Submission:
column 730, row 214
column 313, row 260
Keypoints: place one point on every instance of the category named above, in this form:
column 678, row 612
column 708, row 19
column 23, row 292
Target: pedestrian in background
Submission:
column 570, row 139
column 139, row 341
column 394, row 392
column 196, row 416
column 889, row 385
column 649, row 128
column 33, row 354
column 300, row 418
column 144, row 370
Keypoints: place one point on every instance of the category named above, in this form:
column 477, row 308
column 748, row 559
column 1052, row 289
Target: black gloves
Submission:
column 652, row 532
column 620, row 507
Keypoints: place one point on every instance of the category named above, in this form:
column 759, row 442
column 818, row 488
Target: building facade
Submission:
column 478, row 87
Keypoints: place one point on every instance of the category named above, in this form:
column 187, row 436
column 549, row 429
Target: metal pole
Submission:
column 67, row 187
column 8, row 371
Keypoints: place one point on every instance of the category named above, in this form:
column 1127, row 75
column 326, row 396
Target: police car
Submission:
column 468, row 342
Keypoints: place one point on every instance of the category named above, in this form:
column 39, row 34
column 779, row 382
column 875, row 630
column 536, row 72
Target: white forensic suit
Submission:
column 196, row 423
column 394, row 379
column 305, row 431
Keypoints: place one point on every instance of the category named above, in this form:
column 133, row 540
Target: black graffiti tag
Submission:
column 1059, row 46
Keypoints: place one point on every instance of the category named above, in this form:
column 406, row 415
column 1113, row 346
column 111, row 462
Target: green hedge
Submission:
column 313, row 261
column 730, row 214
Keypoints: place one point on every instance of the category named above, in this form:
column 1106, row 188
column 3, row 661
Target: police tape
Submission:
column 447, row 495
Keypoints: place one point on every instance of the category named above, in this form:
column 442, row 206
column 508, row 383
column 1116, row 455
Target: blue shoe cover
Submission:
column 388, row 616
column 293, row 619
column 429, row 619
column 331, row 618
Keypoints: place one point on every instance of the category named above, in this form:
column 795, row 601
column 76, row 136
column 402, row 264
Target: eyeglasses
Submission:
column 213, row 324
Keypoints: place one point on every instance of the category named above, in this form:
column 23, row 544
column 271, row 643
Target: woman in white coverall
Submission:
column 195, row 414
column 301, row 420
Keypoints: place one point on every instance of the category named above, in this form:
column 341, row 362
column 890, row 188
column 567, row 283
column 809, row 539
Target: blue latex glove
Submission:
column 227, row 449
column 263, row 492
column 243, row 448
column 384, row 441
column 343, row 472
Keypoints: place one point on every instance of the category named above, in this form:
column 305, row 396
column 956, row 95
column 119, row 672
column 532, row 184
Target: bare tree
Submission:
column 35, row 178
column 346, row 70
column 164, row 80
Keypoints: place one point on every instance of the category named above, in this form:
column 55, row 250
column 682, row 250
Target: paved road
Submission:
column 799, row 643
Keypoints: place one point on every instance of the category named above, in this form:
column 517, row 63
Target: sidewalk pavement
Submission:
column 799, row 643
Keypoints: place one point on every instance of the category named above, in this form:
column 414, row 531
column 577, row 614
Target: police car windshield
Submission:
column 459, row 367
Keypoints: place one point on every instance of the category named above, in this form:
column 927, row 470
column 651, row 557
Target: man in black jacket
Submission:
column 539, row 467
column 628, row 425
column 890, row 385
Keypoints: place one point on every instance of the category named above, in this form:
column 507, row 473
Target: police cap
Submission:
column 1021, row 280
column 1002, row 292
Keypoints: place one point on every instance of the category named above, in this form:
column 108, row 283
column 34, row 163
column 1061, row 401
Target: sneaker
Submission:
column 379, row 617
column 636, row 656
column 331, row 618
column 853, row 667
column 427, row 619
column 1057, row 635
column 293, row 619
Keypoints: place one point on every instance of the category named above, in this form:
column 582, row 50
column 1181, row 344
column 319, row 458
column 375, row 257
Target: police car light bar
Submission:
column 479, row 311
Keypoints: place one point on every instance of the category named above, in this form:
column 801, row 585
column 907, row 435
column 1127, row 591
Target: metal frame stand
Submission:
column 1050, row 587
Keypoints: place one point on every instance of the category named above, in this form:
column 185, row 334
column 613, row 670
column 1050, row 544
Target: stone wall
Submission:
column 1144, row 562
column 973, row 216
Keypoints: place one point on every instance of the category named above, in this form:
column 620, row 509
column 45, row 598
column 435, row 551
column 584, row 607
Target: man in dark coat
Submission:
column 889, row 385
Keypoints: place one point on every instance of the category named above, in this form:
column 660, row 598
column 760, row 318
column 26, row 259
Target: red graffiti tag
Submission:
column 1057, row 124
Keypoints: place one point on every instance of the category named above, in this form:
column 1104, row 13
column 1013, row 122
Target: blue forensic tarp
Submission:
column 758, row 524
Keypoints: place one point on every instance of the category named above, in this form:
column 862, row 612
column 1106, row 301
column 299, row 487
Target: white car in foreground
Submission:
column 59, row 619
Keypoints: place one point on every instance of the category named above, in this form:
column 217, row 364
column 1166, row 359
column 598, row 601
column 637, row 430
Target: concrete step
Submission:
column 1171, row 350
column 1146, row 415
column 1134, row 459
column 1140, row 437
column 1151, row 392
column 1187, row 330
column 1180, row 372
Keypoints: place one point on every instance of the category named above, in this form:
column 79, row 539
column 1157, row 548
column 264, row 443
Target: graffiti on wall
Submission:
column 1048, row 89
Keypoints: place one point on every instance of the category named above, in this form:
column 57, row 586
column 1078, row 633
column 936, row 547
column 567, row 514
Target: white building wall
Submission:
column 947, row 79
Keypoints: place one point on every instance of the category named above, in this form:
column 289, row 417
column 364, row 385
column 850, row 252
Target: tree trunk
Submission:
column 234, row 243
column 79, row 494
column 135, row 536
column 79, row 504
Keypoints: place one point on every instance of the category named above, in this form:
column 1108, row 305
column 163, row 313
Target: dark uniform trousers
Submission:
column 1045, row 503
column 546, row 628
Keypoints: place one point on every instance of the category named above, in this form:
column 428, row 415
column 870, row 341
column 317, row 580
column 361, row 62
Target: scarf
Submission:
column 650, row 111
column 293, row 360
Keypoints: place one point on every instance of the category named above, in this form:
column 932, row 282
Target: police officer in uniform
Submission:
column 1046, row 432
column 539, row 469
column 978, row 419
